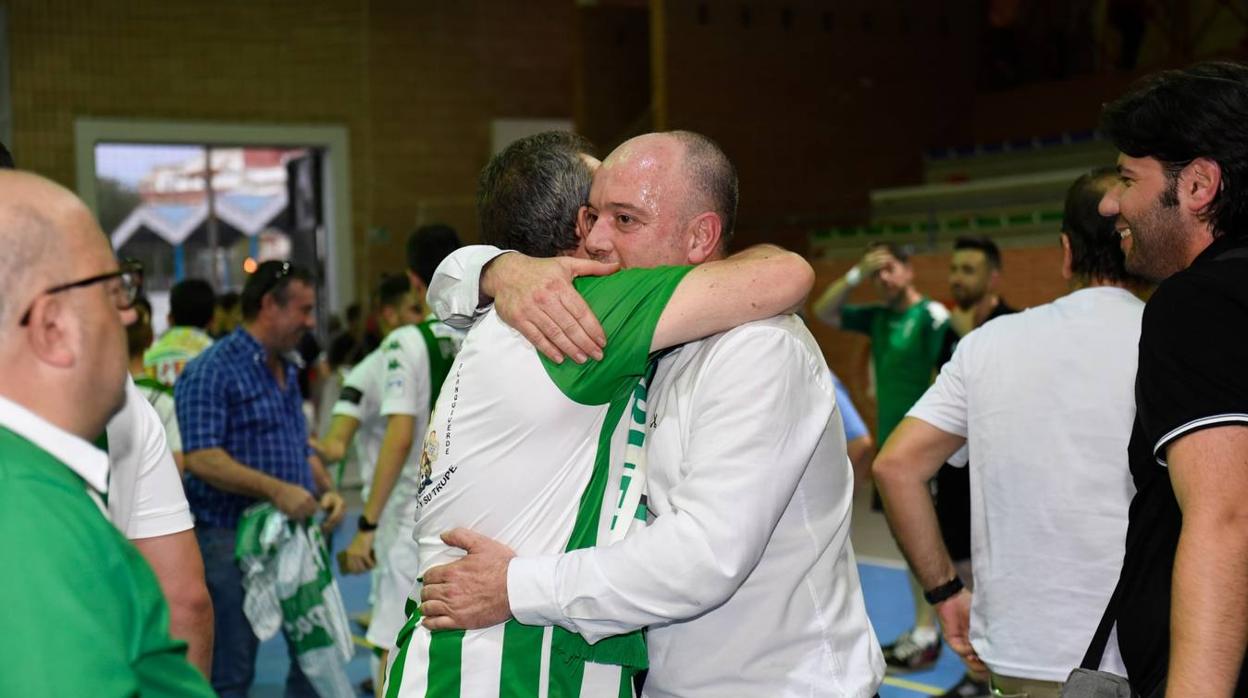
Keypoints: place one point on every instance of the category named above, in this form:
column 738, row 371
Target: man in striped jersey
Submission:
column 746, row 577
column 390, row 393
column 524, row 448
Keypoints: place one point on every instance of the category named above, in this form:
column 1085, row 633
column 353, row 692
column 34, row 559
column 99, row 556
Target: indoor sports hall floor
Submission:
column 883, row 580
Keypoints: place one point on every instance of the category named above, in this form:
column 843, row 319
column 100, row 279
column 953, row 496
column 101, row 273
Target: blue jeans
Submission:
column 234, row 647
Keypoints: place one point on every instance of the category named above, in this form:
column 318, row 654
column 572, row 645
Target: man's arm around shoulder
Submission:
column 756, row 283
column 689, row 560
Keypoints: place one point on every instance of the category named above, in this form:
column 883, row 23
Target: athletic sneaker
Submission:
column 908, row 654
column 968, row 687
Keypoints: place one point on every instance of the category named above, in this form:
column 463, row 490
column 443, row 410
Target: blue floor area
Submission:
column 887, row 593
column 888, row 604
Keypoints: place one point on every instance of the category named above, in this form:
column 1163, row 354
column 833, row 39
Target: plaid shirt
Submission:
column 227, row 398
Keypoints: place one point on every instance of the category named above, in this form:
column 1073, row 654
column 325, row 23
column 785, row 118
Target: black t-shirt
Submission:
column 1193, row 374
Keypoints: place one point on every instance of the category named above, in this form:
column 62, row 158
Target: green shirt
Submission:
column 84, row 613
column 905, row 348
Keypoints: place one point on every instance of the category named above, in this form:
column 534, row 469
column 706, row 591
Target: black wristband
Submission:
column 944, row 591
column 364, row 525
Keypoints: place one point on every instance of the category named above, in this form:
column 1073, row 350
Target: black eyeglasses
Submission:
column 130, row 274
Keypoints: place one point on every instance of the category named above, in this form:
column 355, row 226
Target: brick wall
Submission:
column 1031, row 276
column 817, row 103
column 415, row 83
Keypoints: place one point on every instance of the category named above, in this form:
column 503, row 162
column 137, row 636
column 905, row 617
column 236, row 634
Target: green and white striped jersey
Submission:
column 402, row 376
column 520, row 449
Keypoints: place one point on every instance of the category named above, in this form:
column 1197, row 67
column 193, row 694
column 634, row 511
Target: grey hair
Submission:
column 529, row 194
column 712, row 176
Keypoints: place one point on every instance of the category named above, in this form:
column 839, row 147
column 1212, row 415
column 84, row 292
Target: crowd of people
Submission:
column 602, row 456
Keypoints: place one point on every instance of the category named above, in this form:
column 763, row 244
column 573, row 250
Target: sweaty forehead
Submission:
column 646, row 170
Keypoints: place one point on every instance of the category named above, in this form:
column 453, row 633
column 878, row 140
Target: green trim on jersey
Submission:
column 445, row 663
column 441, row 352
column 627, row 650
column 403, row 641
column 520, row 673
column 628, row 305
column 152, row 383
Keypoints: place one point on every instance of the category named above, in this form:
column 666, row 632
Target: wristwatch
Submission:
column 363, row 525
column 942, row 592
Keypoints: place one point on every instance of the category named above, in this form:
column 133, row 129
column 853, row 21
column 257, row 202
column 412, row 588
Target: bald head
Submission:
column 67, row 360
column 711, row 176
column 41, row 223
column 662, row 198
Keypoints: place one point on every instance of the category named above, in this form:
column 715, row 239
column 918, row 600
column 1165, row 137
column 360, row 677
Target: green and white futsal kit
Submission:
column 403, row 377
column 525, row 451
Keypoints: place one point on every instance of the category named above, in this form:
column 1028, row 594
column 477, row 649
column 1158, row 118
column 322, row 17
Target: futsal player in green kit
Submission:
column 907, row 332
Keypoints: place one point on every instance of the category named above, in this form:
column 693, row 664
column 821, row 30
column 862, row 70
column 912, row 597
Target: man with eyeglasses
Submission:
column 245, row 440
column 63, row 302
column 146, row 502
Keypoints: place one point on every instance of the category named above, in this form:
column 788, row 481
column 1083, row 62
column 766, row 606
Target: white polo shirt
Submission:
column 746, row 577
column 1046, row 400
column 360, row 398
column 145, row 496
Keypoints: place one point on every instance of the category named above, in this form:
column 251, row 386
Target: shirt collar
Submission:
column 89, row 462
column 1218, row 246
column 291, row 361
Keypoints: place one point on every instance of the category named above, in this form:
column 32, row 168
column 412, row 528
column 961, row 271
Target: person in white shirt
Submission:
column 157, row 394
column 147, row 504
column 146, row 501
column 1045, row 401
column 356, row 427
column 745, row 578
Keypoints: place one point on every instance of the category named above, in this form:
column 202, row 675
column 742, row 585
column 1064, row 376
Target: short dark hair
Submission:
column 392, row 289
column 529, row 195
column 272, row 277
column 981, row 243
column 900, row 252
column 427, row 246
column 342, row 348
column 226, row 301
column 6, row 159
column 191, row 303
column 1177, row 116
column 1095, row 245
column 713, row 175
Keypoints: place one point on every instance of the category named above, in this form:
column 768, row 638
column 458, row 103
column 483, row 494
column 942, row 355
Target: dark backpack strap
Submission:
column 1096, row 650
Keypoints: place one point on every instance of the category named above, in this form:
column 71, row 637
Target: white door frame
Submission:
column 339, row 286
